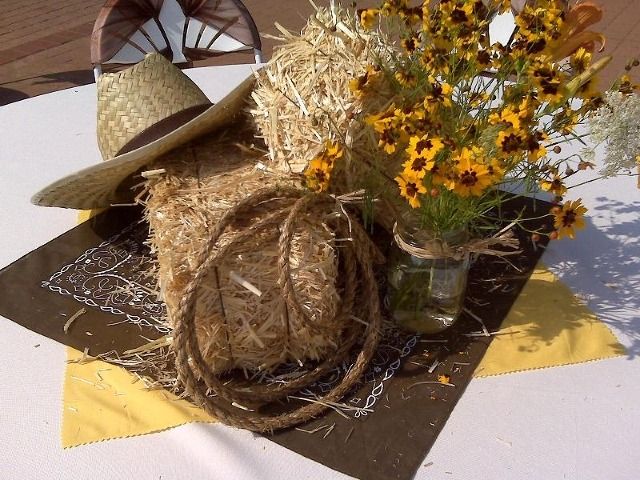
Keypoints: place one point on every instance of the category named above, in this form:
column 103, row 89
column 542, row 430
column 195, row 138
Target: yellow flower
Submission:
column 381, row 122
column 508, row 116
column 536, row 150
column 580, row 60
column 568, row 218
column 424, row 147
column 548, row 80
column 410, row 44
column 440, row 94
column 471, row 178
column 410, row 188
column 565, row 120
column 440, row 173
column 495, row 169
column 406, row 78
column 388, row 140
column 318, row 174
column 393, row 7
column 626, row 86
column 509, row 142
column 461, row 13
column 360, row 84
column 333, row 150
column 555, row 186
column 417, row 166
column 368, row 17
column 504, row 5
column 436, row 59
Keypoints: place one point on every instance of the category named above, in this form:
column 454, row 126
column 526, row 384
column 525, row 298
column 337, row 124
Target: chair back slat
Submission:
column 202, row 29
column 222, row 32
column 182, row 30
column 149, row 37
column 131, row 52
column 171, row 21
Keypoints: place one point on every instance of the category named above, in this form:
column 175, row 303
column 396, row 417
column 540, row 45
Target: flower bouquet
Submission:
column 440, row 127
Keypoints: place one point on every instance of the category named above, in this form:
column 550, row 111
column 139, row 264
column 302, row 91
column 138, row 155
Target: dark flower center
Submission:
column 511, row 143
column 550, row 88
column 568, row 218
column 321, row 176
column 418, row 164
column 536, row 46
column 468, row 178
column 423, row 145
column 484, row 58
column 412, row 189
column 410, row 44
column 458, row 16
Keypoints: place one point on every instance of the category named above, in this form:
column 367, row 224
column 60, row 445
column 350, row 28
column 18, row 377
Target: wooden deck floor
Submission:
column 44, row 44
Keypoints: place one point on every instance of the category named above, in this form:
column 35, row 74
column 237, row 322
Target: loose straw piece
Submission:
column 241, row 281
column 477, row 319
column 152, row 173
column 73, row 318
column 433, row 366
column 430, row 382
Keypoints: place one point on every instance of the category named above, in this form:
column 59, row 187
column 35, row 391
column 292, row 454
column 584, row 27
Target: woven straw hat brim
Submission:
column 97, row 186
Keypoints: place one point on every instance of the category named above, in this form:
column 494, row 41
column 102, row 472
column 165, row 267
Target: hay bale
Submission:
column 242, row 320
column 303, row 97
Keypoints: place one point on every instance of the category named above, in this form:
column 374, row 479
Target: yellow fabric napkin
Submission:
column 547, row 327
column 101, row 402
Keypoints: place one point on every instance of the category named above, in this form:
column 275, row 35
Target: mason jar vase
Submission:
column 427, row 277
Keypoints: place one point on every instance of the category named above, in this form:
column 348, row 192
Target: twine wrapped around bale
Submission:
column 198, row 186
column 221, row 398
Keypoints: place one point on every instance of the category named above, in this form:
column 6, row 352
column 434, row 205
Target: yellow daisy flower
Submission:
column 509, row 142
column 555, row 186
column 440, row 94
column 410, row 44
column 495, row 169
column 333, row 150
column 418, row 166
column 424, row 147
column 568, row 218
column 548, row 81
column 471, row 178
column 536, row 150
column 580, row 60
column 368, row 17
column 388, row 140
column 381, row 122
column 508, row 115
column 318, row 174
column 406, row 78
column 410, row 188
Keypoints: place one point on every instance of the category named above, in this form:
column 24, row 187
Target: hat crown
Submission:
column 135, row 99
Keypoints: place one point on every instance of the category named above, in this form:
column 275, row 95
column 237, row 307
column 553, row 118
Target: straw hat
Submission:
column 143, row 112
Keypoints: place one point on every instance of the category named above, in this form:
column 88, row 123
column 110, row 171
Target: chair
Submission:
column 181, row 30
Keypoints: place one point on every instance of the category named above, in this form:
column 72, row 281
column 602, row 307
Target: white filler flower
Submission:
column 617, row 124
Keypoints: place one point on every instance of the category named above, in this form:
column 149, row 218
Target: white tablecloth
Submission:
column 577, row 422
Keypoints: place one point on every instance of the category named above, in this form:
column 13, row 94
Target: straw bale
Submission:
column 241, row 318
column 302, row 95
column 303, row 99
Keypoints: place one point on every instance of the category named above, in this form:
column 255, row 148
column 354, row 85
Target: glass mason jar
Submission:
column 427, row 277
